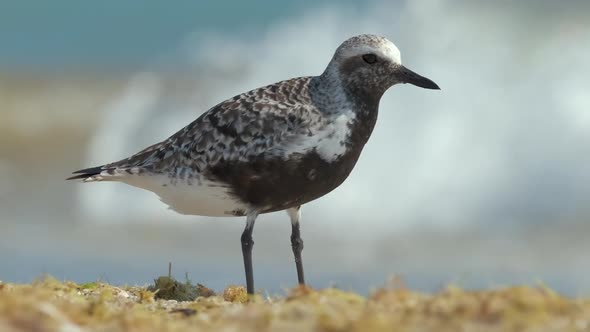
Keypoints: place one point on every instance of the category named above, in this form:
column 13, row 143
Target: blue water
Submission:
column 210, row 254
column 69, row 34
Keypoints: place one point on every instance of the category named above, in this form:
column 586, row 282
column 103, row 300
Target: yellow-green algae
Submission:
column 168, row 288
column 51, row 305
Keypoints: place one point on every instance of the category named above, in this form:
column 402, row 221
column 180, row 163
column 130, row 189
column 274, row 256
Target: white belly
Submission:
column 201, row 198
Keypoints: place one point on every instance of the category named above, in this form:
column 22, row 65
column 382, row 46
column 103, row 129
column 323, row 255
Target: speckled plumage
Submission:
column 271, row 148
column 264, row 121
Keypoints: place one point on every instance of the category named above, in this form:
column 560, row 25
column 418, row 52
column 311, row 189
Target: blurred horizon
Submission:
column 493, row 165
column 127, row 37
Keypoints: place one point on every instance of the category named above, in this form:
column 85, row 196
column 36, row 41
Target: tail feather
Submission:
column 86, row 173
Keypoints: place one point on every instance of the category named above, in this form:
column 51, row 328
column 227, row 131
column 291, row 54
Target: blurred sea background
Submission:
column 483, row 184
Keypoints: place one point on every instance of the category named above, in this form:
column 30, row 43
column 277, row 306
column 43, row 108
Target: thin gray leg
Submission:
column 247, row 244
column 296, row 241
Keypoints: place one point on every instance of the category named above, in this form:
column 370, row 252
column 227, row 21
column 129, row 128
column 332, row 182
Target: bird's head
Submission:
column 372, row 64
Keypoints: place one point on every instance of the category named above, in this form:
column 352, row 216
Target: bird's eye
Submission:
column 370, row 58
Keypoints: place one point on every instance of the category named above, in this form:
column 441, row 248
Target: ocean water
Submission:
column 126, row 36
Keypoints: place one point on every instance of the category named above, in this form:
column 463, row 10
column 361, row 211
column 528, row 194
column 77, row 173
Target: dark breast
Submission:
column 277, row 184
column 273, row 184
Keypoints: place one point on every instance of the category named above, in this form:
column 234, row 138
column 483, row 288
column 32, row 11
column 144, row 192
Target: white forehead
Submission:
column 364, row 44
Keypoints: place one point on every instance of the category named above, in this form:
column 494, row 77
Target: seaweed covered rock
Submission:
column 168, row 288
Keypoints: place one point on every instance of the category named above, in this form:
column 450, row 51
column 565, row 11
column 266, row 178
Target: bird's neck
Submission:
column 334, row 96
column 328, row 94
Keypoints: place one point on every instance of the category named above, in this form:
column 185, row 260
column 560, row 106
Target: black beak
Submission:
column 408, row 76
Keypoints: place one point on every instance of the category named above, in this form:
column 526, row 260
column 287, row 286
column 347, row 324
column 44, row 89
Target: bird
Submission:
column 273, row 148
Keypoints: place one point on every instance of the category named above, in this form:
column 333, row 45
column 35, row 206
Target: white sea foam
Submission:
column 506, row 140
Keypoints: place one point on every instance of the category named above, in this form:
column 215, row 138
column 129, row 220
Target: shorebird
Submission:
column 273, row 148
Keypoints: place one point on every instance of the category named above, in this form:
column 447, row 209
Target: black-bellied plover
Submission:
column 273, row 148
